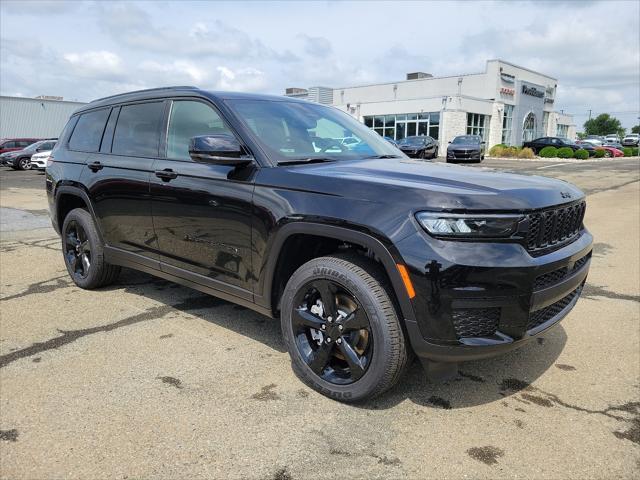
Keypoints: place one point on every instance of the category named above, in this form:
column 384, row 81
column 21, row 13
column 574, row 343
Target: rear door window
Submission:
column 137, row 132
column 9, row 145
column 88, row 132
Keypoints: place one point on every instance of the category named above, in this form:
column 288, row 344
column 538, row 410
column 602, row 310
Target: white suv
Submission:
column 39, row 160
column 631, row 140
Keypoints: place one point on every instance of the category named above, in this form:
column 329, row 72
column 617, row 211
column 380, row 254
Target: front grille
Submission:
column 551, row 229
column 545, row 314
column 556, row 276
column 475, row 322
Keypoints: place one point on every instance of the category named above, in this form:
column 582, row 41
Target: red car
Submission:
column 11, row 144
column 610, row 151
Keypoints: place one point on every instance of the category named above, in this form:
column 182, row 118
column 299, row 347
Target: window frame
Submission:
column 164, row 140
column 77, row 119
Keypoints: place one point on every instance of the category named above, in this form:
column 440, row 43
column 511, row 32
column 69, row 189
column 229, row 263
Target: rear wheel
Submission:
column 341, row 328
column 83, row 252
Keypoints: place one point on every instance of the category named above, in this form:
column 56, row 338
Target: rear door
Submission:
column 117, row 176
column 202, row 212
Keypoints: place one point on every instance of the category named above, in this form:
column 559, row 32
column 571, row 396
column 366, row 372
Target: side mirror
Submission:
column 448, row 142
column 219, row 149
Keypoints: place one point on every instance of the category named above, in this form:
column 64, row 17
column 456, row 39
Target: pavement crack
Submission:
column 40, row 287
column 591, row 291
column 69, row 336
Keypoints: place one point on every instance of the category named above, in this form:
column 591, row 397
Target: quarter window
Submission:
column 138, row 130
column 88, row 132
column 190, row 119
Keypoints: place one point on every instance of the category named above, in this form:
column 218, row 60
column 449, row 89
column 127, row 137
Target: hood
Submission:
column 435, row 186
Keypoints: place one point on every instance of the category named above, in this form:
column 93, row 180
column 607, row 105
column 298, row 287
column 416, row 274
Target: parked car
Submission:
column 39, row 160
column 465, row 148
column 13, row 144
column 616, row 145
column 588, row 146
column 391, row 141
column 558, row 142
column 631, row 140
column 421, row 146
column 594, row 141
column 363, row 257
column 610, row 151
column 612, row 137
column 21, row 159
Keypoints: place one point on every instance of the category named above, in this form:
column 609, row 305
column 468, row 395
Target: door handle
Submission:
column 95, row 166
column 166, row 175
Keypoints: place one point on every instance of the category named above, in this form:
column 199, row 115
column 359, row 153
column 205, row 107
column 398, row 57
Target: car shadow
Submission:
column 477, row 382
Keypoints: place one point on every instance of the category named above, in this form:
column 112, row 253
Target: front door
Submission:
column 202, row 212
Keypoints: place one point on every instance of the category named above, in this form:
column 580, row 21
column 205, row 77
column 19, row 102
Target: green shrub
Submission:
column 581, row 154
column 496, row 150
column 526, row 153
column 630, row 151
column 599, row 153
column 565, row 152
column 549, row 152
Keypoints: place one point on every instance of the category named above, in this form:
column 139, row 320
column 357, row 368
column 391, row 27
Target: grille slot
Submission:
column 556, row 276
column 476, row 322
column 545, row 314
column 553, row 228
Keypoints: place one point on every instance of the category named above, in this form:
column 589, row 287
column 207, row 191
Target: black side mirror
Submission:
column 448, row 142
column 219, row 149
column 483, row 143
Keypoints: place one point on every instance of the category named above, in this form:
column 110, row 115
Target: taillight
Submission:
column 50, row 160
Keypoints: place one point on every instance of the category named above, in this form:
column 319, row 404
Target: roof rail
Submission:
column 180, row 87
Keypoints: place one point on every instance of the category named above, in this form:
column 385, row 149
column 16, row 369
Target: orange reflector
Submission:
column 406, row 280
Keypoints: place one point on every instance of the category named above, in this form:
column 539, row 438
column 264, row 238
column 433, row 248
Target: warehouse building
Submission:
column 504, row 104
column 40, row 117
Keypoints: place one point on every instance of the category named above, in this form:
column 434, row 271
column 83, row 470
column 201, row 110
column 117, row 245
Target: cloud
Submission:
column 38, row 7
column 101, row 65
column 317, row 47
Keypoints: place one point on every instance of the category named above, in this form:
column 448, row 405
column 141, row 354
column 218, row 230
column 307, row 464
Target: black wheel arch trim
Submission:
column 335, row 233
column 78, row 192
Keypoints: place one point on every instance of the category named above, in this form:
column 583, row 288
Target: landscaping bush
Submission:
column 581, row 154
column 510, row 152
column 565, row 152
column 599, row 153
column 630, row 151
column 526, row 153
column 549, row 152
column 497, row 150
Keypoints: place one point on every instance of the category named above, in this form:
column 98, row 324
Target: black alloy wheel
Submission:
column 332, row 332
column 77, row 249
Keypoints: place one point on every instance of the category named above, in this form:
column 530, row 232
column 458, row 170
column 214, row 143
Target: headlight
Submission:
column 468, row 225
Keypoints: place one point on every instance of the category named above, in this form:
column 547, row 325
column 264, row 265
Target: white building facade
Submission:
column 504, row 104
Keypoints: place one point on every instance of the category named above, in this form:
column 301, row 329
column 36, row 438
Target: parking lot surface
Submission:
column 148, row 379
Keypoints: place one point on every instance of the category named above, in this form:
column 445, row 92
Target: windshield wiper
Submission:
column 294, row 161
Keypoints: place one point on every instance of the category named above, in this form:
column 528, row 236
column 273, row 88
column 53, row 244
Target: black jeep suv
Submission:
column 365, row 255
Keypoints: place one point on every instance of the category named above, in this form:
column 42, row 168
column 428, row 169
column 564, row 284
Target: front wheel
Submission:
column 435, row 153
column 341, row 328
column 608, row 154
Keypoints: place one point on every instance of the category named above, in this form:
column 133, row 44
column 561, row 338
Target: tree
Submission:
column 635, row 129
column 603, row 124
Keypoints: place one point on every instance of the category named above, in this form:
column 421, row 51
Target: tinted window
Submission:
column 47, row 146
column 138, row 130
column 23, row 143
column 88, row 132
column 9, row 144
column 190, row 119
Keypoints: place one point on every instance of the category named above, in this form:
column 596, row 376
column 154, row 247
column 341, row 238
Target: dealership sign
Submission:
column 507, row 91
column 507, row 78
column 534, row 92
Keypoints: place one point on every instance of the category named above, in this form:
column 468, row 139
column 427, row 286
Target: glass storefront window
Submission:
column 401, row 118
column 412, row 116
column 434, row 132
column 507, row 122
column 405, row 124
column 368, row 121
column 389, row 121
column 411, row 129
column 401, row 131
column 423, row 128
column 434, row 118
column 378, row 122
column 478, row 124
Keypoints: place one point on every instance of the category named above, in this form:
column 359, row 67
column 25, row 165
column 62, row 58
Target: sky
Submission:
column 86, row 50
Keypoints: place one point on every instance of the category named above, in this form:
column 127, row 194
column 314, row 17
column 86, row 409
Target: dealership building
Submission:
column 504, row 104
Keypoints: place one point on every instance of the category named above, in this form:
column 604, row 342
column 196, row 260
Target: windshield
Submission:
column 299, row 130
column 466, row 139
column 412, row 141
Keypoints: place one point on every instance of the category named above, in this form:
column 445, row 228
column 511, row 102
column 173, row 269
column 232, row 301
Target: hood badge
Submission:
column 565, row 194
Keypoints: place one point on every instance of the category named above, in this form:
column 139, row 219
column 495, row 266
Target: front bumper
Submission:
column 477, row 300
column 38, row 164
column 464, row 155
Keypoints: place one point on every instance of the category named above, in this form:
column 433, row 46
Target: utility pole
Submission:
column 589, row 114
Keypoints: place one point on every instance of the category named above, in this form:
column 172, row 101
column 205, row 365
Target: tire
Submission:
column 435, row 154
column 608, row 154
column 385, row 356
column 23, row 163
column 80, row 237
column 422, row 155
